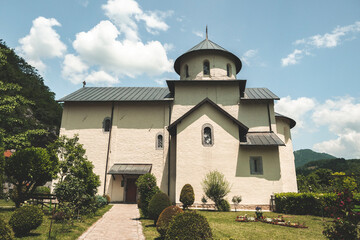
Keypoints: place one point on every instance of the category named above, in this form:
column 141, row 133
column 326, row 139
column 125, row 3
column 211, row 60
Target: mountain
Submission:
column 304, row 156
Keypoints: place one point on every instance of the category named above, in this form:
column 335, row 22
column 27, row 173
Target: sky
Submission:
column 306, row 52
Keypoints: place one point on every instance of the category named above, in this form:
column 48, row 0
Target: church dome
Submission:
column 220, row 58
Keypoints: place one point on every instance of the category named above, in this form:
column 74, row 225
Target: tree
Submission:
column 29, row 114
column 146, row 185
column 29, row 168
column 215, row 186
column 78, row 183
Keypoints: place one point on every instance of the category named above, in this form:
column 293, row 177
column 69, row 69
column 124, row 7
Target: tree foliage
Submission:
column 29, row 115
column 29, row 168
column 146, row 185
column 187, row 196
column 215, row 186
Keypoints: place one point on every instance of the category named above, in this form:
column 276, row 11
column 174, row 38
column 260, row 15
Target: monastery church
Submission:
column 208, row 120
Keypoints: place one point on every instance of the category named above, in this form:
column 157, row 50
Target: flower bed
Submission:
column 275, row 221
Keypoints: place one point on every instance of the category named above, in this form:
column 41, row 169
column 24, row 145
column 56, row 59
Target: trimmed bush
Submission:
column 304, row 203
column 100, row 201
column 146, row 185
column 224, row 206
column 25, row 219
column 157, row 204
column 5, row 230
column 107, row 198
column 189, row 225
column 165, row 218
column 187, row 196
column 42, row 190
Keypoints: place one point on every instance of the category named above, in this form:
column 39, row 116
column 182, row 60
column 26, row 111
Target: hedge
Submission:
column 306, row 203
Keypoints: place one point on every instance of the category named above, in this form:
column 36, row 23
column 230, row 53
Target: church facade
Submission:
column 208, row 120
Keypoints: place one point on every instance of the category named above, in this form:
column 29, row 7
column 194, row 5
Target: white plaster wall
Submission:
column 217, row 62
column 194, row 161
column 287, row 163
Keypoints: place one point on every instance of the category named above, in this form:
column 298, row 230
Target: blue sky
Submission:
column 306, row 52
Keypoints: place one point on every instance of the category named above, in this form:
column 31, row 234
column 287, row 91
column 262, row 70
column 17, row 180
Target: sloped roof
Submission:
column 292, row 121
column 109, row 94
column 262, row 139
column 172, row 127
column 136, row 169
column 259, row 94
column 208, row 45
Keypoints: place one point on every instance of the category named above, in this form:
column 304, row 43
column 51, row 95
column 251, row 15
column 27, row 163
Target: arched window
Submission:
column 207, row 135
column 186, row 71
column 107, row 124
column 159, row 141
column 206, row 67
column 228, row 70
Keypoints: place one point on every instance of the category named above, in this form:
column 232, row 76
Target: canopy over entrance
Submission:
column 129, row 169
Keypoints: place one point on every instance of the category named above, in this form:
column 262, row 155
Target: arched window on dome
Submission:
column 206, row 67
column 228, row 70
column 186, row 71
column 207, row 135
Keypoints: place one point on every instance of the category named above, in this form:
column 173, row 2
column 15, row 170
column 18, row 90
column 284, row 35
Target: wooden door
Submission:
column 131, row 190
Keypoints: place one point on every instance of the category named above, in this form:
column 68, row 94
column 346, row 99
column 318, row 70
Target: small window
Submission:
column 186, row 71
column 207, row 135
column 107, row 124
column 256, row 166
column 159, row 141
column 228, row 70
column 206, row 67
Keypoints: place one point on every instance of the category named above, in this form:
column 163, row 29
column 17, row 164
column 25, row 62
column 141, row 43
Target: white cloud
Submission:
column 101, row 77
column 43, row 42
column 160, row 82
column 248, row 55
column 327, row 40
column 292, row 58
column 74, row 69
column 126, row 13
column 199, row 34
column 295, row 108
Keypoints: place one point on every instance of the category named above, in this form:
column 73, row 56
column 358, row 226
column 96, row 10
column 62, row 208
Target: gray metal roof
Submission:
column 207, row 44
column 122, row 168
column 108, row 94
column 292, row 121
column 262, row 139
column 259, row 94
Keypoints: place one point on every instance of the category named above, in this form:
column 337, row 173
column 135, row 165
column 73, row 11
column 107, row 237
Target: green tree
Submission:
column 146, row 185
column 78, row 183
column 29, row 168
column 187, row 196
column 216, row 187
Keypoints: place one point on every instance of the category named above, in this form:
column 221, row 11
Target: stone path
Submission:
column 120, row 222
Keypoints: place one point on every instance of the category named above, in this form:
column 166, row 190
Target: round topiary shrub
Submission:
column 25, row 219
column 100, row 201
column 189, row 225
column 223, row 205
column 157, row 204
column 5, row 230
column 165, row 218
column 187, row 196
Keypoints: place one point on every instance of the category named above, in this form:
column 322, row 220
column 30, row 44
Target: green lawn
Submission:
column 59, row 231
column 224, row 226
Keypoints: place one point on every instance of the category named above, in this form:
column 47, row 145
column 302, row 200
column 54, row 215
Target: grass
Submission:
column 59, row 230
column 224, row 226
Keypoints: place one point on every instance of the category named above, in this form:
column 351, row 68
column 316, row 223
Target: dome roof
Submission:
column 207, row 45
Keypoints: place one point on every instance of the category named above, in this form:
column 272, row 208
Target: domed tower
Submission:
column 207, row 61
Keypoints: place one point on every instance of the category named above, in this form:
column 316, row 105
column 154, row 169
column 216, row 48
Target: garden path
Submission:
column 120, row 222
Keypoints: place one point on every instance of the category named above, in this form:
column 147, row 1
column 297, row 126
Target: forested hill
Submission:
column 29, row 114
column 351, row 166
column 304, row 156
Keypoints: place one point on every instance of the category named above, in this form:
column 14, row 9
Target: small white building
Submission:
column 208, row 120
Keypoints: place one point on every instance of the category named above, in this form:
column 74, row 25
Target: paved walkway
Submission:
column 120, row 222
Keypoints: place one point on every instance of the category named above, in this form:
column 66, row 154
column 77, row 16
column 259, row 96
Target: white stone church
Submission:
column 208, row 120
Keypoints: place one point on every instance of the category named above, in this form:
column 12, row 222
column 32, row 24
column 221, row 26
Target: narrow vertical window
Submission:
column 186, row 71
column 256, row 166
column 228, row 70
column 159, row 141
column 206, row 67
column 107, row 124
column 207, row 135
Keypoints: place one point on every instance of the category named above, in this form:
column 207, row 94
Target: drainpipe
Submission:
column 108, row 148
column 268, row 109
column 169, row 152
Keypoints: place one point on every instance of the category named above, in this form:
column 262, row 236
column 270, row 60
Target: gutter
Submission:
column 108, row 148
